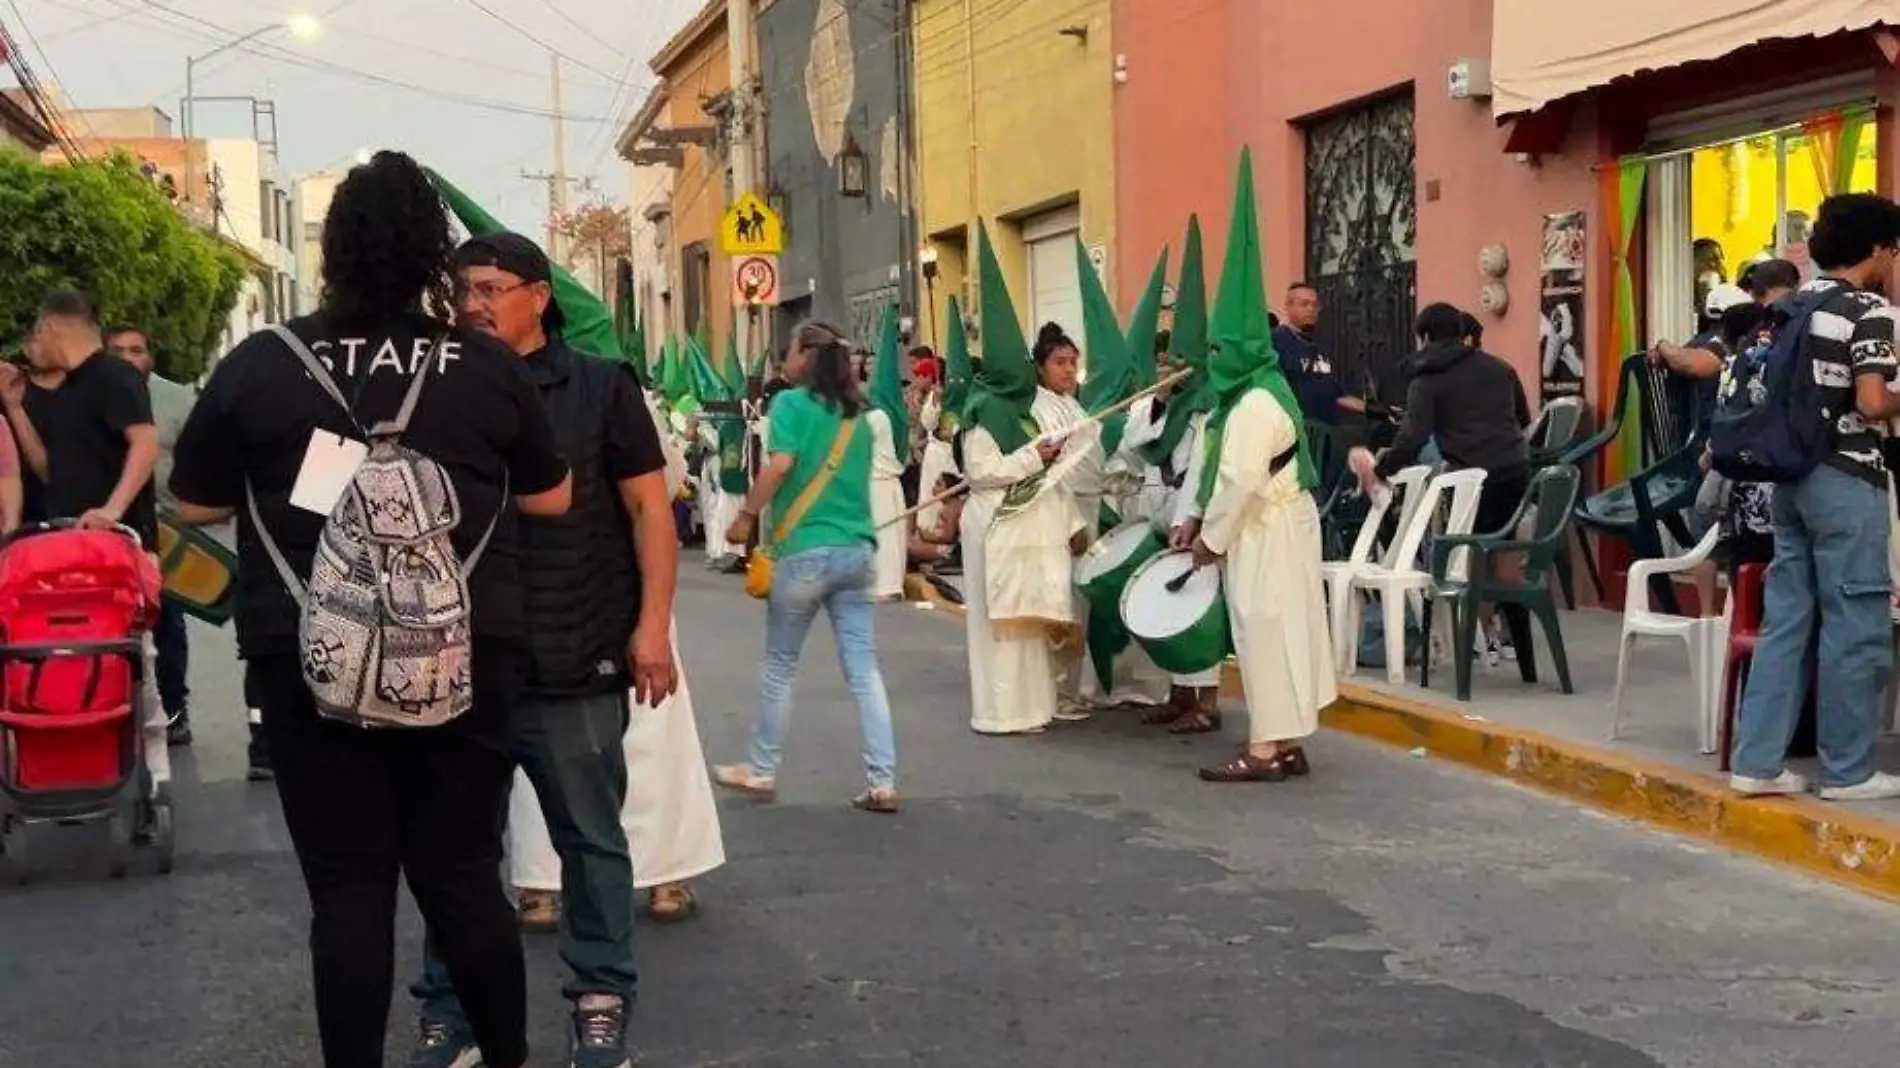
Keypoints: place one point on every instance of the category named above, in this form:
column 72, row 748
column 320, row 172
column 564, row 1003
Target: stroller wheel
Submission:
column 121, row 832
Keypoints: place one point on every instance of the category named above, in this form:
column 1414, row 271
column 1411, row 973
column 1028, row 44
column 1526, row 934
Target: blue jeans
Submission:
column 837, row 579
column 573, row 752
column 1831, row 534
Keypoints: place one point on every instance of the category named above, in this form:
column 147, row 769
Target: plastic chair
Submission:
column 1744, row 631
column 1706, row 639
column 1555, row 430
column 1399, row 579
column 1341, row 515
column 1339, row 574
column 1549, row 502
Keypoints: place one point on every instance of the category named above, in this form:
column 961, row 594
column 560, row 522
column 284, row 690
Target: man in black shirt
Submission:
column 598, row 589
column 364, row 807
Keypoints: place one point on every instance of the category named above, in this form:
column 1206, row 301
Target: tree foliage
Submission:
column 104, row 228
column 599, row 229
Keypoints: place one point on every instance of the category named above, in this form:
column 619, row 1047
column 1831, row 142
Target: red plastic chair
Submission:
column 1744, row 630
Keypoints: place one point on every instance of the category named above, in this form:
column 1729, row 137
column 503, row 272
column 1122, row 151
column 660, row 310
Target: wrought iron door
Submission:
column 1361, row 238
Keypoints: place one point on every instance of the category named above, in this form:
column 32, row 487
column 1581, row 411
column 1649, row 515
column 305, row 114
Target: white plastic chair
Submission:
column 1400, row 580
column 1707, row 640
column 1406, row 487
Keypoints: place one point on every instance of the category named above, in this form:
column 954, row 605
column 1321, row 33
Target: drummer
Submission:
column 1166, row 437
column 1256, row 519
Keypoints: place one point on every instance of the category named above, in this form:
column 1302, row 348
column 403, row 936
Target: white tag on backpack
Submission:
column 329, row 463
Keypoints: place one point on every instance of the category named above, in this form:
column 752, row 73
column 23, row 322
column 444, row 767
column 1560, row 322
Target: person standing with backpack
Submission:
column 371, row 453
column 1804, row 416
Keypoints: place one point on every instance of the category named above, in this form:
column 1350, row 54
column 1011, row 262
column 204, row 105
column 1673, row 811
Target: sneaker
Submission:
column 599, row 1035
column 259, row 754
column 745, row 780
column 1880, row 787
column 1785, row 784
column 178, row 734
column 442, row 1044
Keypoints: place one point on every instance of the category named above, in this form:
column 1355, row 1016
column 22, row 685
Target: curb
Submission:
column 1837, row 844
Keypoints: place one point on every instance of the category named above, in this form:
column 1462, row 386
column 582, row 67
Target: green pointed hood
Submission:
column 676, row 380
column 1242, row 358
column 707, row 383
column 627, row 329
column 732, row 368
column 1111, row 368
column 589, row 323
column 887, row 382
column 1187, row 344
column 1146, row 324
column 1006, row 387
column 959, row 375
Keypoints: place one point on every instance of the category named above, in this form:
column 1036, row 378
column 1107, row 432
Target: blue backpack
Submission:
column 1770, row 424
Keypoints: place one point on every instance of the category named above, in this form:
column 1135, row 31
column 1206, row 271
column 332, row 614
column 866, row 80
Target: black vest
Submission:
column 579, row 573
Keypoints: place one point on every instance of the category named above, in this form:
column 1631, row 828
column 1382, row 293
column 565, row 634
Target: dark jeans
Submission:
column 366, row 807
column 174, row 657
column 573, row 753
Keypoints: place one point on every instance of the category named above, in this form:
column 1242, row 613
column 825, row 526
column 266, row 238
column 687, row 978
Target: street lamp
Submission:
column 302, row 27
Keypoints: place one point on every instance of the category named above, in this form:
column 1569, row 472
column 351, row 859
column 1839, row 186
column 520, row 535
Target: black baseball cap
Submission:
column 519, row 256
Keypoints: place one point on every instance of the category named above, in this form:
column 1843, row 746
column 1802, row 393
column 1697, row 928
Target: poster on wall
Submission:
column 1561, row 330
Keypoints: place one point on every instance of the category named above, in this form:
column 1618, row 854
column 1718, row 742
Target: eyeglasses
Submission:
column 485, row 292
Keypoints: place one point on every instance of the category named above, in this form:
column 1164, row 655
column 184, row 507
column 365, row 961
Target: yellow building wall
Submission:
column 699, row 189
column 1733, row 190
column 1041, row 134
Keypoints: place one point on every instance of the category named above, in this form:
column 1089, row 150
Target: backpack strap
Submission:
column 393, row 428
column 315, row 366
column 291, row 581
column 475, row 554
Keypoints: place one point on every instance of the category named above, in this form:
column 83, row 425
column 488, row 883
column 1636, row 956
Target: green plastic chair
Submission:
column 1553, row 493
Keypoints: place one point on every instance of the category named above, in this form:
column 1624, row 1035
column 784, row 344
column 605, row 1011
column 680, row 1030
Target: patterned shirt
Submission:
column 1851, row 334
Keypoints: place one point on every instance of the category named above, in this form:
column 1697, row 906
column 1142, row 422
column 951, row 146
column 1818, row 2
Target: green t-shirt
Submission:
column 806, row 427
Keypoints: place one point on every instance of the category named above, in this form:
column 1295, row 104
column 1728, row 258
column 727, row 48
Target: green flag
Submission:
column 958, row 372
column 887, row 383
column 1111, row 375
column 590, row 323
column 1145, row 326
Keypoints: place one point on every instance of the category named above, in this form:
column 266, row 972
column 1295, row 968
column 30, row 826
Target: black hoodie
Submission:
column 1468, row 399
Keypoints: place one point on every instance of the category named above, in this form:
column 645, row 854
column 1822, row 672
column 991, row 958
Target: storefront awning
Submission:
column 1543, row 51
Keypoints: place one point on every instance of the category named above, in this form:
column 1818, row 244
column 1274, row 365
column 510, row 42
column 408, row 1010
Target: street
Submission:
column 1077, row 899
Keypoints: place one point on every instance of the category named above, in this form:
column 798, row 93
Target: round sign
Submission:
column 757, row 279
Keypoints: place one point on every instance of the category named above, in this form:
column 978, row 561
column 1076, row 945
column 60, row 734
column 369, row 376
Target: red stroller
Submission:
column 75, row 606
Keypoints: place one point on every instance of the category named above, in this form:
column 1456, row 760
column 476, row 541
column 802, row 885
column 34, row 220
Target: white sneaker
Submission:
column 1785, row 784
column 1880, row 787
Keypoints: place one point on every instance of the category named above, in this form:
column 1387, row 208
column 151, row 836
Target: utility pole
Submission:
column 557, row 180
column 739, row 140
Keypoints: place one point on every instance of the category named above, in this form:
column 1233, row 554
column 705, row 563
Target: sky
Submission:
column 485, row 65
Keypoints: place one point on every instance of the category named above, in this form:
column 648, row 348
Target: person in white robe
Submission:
column 717, row 506
column 1255, row 518
column 887, row 503
column 670, row 817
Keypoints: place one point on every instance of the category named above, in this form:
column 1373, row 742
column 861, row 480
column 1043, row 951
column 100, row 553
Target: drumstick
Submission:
column 1118, row 406
column 1179, row 582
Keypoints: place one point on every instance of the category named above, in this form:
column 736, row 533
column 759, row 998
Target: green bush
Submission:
column 106, row 229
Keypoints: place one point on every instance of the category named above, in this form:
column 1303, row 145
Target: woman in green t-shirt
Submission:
column 817, row 484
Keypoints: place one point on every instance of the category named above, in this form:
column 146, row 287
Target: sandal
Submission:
column 1196, row 721
column 879, row 799
column 1180, row 703
column 741, row 778
column 672, row 903
column 1248, row 768
column 1294, row 761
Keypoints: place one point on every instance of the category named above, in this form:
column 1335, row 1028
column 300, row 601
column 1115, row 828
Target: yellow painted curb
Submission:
column 1846, row 847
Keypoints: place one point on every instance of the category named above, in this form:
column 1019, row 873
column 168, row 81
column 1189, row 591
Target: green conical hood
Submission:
column 675, row 380
column 1189, row 339
column 732, row 368
column 1006, row 386
column 1243, row 358
column 887, row 382
column 627, row 329
column 589, row 322
column 707, row 383
column 1146, row 324
column 1111, row 370
column 959, row 374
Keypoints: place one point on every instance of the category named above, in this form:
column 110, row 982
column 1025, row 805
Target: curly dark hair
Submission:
column 386, row 244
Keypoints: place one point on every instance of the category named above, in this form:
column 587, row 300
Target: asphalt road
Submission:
column 1077, row 899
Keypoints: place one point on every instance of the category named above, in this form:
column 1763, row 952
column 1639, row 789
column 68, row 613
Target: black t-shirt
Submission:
column 479, row 418
column 83, row 425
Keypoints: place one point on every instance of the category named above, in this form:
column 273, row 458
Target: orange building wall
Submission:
column 699, row 189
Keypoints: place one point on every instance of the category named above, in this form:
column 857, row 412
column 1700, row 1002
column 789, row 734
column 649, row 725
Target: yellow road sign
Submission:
column 751, row 228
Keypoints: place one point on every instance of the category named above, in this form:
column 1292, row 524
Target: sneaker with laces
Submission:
column 442, row 1044
column 1785, row 784
column 1880, row 787
column 598, row 1038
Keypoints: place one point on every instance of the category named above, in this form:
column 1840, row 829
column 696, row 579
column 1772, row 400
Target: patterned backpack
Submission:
column 384, row 636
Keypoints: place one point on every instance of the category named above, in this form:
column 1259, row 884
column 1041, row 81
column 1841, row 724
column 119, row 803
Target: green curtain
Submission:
column 1630, row 175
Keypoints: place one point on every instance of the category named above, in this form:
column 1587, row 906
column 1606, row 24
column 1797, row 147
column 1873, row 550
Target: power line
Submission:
column 27, row 28
column 482, row 7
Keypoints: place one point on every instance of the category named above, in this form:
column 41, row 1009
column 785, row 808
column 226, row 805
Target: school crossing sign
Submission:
column 751, row 228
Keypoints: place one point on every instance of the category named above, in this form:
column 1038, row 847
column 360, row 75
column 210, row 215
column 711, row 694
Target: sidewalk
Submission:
column 1535, row 735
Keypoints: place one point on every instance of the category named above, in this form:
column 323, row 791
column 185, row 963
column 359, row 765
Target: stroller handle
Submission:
column 49, row 526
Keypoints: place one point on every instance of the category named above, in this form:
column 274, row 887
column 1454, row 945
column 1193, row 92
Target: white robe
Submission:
column 717, row 507
column 887, row 503
column 1267, row 529
column 1012, row 670
column 1153, row 497
column 940, row 459
column 671, row 820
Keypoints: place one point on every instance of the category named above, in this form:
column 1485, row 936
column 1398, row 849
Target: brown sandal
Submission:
column 1294, row 761
column 1248, row 768
column 672, row 903
column 1180, row 703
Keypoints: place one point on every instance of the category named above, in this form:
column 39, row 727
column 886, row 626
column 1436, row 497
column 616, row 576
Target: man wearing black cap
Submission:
column 597, row 588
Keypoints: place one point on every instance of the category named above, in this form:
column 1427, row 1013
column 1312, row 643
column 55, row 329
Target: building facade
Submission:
column 650, row 216
column 314, row 194
column 20, row 128
column 1014, row 118
column 837, row 161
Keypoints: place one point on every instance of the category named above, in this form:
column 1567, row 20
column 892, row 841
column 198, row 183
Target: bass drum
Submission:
column 1104, row 570
column 1184, row 631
